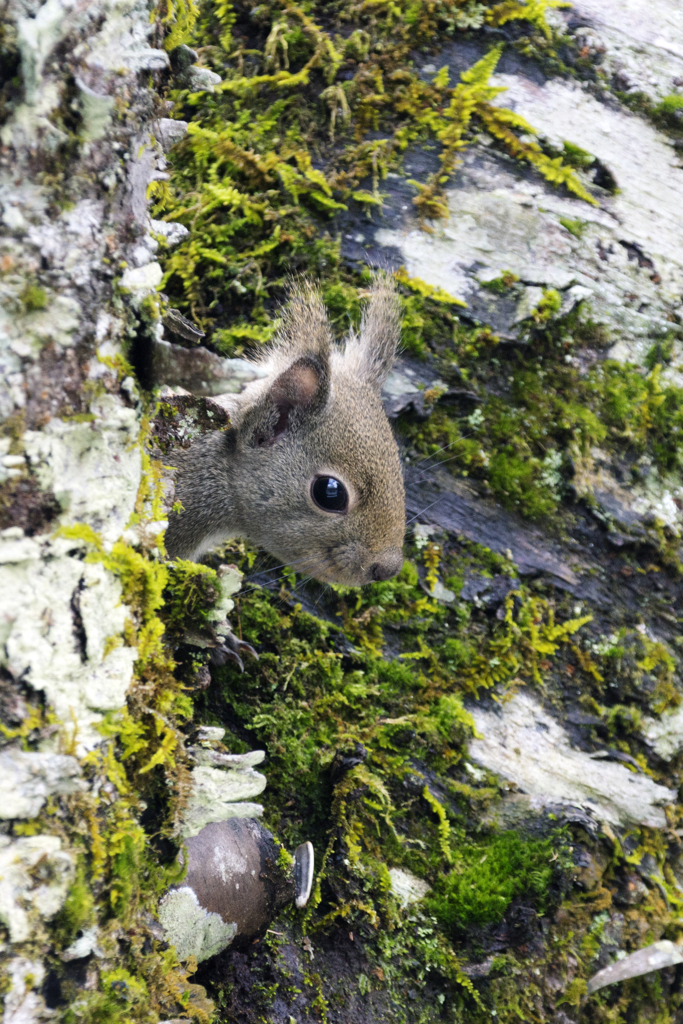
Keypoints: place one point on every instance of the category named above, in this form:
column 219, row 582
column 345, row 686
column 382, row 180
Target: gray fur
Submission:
column 317, row 412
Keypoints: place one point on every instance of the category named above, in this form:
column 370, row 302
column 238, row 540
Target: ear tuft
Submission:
column 305, row 329
column 380, row 331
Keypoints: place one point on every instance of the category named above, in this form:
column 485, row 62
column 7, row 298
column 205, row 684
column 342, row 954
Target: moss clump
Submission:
column 518, row 482
column 643, row 411
column 548, row 307
column 191, row 591
column 501, row 284
column 78, row 912
column 574, row 227
column 670, row 111
column 486, row 877
column 537, row 412
column 34, row 298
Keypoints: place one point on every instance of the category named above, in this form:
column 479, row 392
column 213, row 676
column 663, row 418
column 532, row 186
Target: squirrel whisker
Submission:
column 274, row 568
column 270, row 583
column 425, row 510
column 463, row 437
column 460, row 455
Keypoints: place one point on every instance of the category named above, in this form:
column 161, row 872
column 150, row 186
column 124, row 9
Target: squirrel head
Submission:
column 309, row 468
column 313, row 449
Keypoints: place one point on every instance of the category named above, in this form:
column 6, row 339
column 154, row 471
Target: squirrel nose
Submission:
column 388, row 564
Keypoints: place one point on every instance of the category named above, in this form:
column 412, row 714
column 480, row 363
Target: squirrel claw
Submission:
column 230, row 650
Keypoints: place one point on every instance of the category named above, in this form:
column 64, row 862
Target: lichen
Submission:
column 364, row 711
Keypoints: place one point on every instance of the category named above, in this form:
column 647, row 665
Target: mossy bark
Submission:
column 436, row 736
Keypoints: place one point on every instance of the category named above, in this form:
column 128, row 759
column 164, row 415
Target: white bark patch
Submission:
column 642, row 159
column 524, row 744
column 191, row 929
column 218, row 795
column 23, row 1003
column 56, row 615
column 665, row 733
column 120, row 46
column 499, row 222
column 142, row 279
column 27, row 778
column 407, row 887
column 94, row 469
column 35, row 875
column 642, row 42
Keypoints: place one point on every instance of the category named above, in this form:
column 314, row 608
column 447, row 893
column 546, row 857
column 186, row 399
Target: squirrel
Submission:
column 308, row 468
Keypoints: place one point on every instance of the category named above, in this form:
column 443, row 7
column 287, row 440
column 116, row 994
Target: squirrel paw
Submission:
column 230, row 650
column 223, row 644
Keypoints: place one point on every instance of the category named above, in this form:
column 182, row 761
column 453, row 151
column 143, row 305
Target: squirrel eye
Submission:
column 329, row 494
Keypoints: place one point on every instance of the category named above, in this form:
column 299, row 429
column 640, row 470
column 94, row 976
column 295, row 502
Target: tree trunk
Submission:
column 542, row 278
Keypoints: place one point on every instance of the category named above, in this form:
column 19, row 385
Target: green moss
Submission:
column 501, row 284
column 190, row 592
column 520, row 441
column 34, row 298
column 576, row 157
column 670, row 111
column 574, row 227
column 486, row 877
column 78, row 912
column 518, row 482
column 548, row 307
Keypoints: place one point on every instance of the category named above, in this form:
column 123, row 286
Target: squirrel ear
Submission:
column 300, row 390
column 303, row 385
column 380, row 330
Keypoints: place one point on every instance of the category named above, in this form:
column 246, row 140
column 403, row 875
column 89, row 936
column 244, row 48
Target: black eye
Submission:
column 329, row 494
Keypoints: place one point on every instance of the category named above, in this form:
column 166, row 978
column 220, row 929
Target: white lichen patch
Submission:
column 84, row 945
column 119, row 47
column 23, row 1002
column 522, row 743
column 193, row 930
column 35, row 875
column 229, row 581
column 142, row 279
column 58, row 615
column 639, row 44
column 624, row 255
column 217, row 795
column 27, row 778
column 25, row 333
column 93, row 468
column 654, row 499
column 407, row 887
column 665, row 734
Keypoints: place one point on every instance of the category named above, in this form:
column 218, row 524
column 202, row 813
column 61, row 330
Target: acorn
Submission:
column 237, row 882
